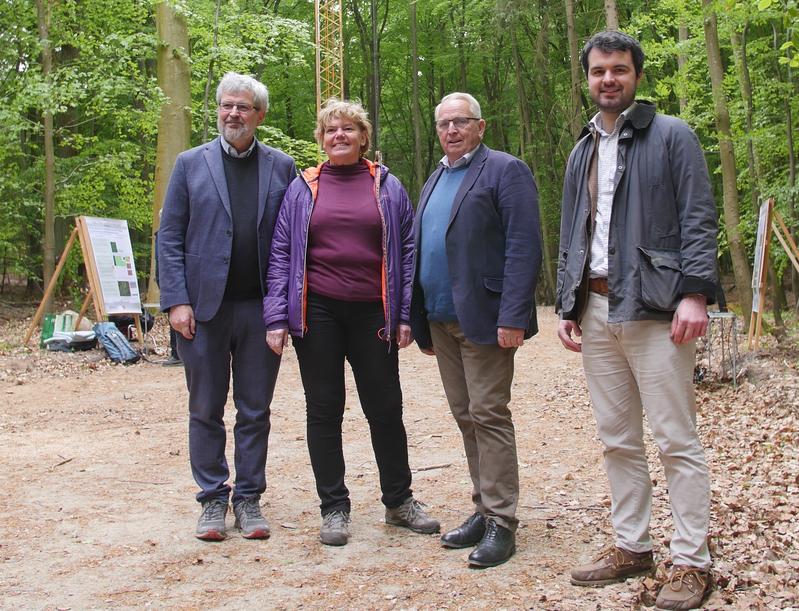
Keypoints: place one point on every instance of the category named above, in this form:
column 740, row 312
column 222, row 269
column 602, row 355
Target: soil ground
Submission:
column 98, row 508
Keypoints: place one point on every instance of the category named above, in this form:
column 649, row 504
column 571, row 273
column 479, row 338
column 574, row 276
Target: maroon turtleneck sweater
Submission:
column 345, row 241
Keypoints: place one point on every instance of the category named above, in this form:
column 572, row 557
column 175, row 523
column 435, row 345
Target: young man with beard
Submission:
column 637, row 268
column 213, row 249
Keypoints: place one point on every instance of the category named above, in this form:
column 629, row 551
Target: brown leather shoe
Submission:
column 686, row 588
column 611, row 565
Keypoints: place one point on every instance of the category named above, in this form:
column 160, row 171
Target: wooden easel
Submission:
column 770, row 220
column 94, row 294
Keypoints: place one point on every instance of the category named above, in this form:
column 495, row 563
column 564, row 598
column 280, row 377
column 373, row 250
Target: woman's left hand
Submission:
column 404, row 336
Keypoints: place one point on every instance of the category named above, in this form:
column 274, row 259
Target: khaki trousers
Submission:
column 477, row 380
column 632, row 368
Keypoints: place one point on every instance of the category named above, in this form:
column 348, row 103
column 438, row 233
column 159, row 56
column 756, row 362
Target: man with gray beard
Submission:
column 213, row 249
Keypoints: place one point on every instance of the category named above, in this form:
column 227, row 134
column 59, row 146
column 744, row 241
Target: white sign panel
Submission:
column 113, row 258
column 758, row 271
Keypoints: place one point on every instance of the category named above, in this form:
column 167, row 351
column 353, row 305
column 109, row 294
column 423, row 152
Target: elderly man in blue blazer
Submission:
column 478, row 253
column 213, row 249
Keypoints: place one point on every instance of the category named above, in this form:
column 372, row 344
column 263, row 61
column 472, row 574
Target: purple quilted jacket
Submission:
column 286, row 292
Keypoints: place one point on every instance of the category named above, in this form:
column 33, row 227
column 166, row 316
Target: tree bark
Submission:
column 375, row 114
column 611, row 15
column 209, row 77
column 738, row 42
column 416, row 111
column 792, row 184
column 740, row 263
column 575, row 122
column 682, row 36
column 174, row 124
column 368, row 46
column 43, row 12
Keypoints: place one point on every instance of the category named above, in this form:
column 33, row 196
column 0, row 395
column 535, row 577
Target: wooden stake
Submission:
column 51, row 286
column 83, row 308
column 784, row 236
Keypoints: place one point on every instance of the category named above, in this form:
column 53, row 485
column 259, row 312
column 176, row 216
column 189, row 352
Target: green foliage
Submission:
column 105, row 99
column 306, row 154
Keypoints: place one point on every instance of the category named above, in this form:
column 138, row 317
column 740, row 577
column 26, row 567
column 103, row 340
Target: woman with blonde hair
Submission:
column 339, row 282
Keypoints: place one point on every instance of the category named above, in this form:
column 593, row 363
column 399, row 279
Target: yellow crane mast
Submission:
column 329, row 51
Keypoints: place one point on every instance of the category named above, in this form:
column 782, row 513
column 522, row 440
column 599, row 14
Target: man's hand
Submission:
column 690, row 319
column 428, row 351
column 277, row 339
column 181, row 318
column 404, row 336
column 565, row 330
column 510, row 337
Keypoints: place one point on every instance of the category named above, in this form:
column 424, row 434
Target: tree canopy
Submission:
column 515, row 56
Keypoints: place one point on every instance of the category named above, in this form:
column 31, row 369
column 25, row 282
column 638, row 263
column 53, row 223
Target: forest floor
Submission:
column 98, row 509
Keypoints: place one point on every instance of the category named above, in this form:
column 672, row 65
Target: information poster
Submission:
column 113, row 259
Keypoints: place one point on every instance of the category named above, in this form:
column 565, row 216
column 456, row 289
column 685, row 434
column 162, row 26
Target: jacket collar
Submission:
column 640, row 116
column 311, row 175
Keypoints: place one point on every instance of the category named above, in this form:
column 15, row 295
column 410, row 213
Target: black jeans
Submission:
column 339, row 330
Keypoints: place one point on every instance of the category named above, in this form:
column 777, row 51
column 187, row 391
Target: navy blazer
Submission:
column 196, row 235
column 493, row 244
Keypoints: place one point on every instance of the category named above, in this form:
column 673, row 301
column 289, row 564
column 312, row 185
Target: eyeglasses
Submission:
column 458, row 122
column 242, row 108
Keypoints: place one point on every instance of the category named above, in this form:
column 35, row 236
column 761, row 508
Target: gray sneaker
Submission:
column 211, row 525
column 250, row 520
column 411, row 515
column 334, row 529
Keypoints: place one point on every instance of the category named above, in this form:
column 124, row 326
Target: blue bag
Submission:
column 115, row 344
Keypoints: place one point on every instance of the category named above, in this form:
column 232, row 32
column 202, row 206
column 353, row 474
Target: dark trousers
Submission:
column 234, row 339
column 339, row 330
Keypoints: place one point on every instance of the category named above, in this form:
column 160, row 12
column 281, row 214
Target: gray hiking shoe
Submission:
column 411, row 515
column 250, row 520
column 335, row 529
column 211, row 525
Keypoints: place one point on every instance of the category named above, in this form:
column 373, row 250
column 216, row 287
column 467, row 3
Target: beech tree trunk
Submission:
column 375, row 78
column 792, row 184
column 740, row 263
column 682, row 36
column 416, row 111
column 575, row 122
column 43, row 12
column 174, row 124
column 210, row 76
column 738, row 42
column 611, row 15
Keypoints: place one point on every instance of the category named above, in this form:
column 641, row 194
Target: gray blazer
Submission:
column 196, row 235
column 493, row 243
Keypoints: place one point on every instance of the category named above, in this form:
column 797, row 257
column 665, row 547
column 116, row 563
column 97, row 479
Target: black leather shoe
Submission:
column 497, row 546
column 467, row 534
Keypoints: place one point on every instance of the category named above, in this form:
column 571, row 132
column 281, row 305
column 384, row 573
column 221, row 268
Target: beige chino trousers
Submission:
column 477, row 380
column 634, row 368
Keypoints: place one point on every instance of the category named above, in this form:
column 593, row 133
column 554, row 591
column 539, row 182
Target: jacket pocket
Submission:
column 661, row 274
column 493, row 284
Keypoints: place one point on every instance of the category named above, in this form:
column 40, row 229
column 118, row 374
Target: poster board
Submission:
column 110, row 270
column 108, row 256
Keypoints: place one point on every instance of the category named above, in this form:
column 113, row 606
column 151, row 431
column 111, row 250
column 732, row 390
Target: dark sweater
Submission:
column 345, row 241
column 241, row 174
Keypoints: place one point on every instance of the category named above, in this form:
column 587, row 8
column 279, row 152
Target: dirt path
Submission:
column 98, row 510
